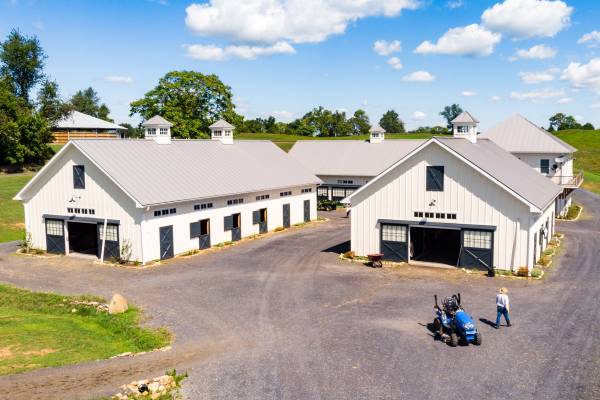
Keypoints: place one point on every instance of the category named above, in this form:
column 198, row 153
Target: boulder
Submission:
column 118, row 304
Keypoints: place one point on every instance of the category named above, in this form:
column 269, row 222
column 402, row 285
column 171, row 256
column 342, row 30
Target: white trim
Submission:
column 532, row 207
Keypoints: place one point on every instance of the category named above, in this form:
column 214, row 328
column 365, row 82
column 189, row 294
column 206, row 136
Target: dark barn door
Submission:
column 204, row 234
column 259, row 217
column 111, row 246
column 477, row 249
column 394, row 242
column 286, row 215
column 236, row 227
column 306, row 210
column 166, row 242
column 55, row 236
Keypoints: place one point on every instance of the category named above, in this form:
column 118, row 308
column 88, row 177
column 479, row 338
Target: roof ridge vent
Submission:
column 377, row 134
column 158, row 129
column 222, row 131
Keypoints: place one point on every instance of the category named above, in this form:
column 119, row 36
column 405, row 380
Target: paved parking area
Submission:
column 283, row 318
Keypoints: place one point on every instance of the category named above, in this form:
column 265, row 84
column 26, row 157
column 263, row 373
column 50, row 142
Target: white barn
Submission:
column 462, row 201
column 163, row 197
column 542, row 151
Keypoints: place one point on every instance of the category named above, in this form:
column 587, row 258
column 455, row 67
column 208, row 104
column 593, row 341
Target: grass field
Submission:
column 11, row 212
column 41, row 330
column 587, row 157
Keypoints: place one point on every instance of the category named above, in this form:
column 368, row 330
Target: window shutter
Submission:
column 435, row 179
column 255, row 217
column 194, row 229
column 78, row 177
column 228, row 222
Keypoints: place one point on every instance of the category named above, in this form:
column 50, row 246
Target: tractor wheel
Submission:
column 478, row 339
column 437, row 327
column 453, row 339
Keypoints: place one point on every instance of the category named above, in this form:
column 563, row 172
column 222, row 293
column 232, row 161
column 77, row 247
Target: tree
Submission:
column 560, row 121
column 24, row 133
column 88, row 102
column 391, row 122
column 451, row 112
column 131, row 131
column 22, row 63
column 587, row 126
column 360, row 123
column 191, row 101
column 49, row 104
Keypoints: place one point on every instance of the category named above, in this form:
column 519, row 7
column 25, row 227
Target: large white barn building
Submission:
column 463, row 200
column 163, row 197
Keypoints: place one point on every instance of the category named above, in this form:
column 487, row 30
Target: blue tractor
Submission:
column 452, row 323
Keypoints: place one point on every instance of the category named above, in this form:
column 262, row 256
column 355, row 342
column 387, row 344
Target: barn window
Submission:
column 151, row 131
column 322, row 191
column 306, row 190
column 478, row 239
column 338, row 192
column 545, row 166
column 78, row 177
column 232, row 202
column 164, row 131
column 435, row 178
column 54, row 227
column 394, row 233
column 263, row 197
column 284, row 194
column 112, row 232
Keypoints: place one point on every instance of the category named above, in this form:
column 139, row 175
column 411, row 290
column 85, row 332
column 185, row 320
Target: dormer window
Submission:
column 227, row 133
column 151, row 131
column 375, row 134
column 217, row 133
column 463, row 129
column 164, row 131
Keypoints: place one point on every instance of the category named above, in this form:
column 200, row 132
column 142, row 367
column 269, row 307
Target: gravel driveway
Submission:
column 282, row 318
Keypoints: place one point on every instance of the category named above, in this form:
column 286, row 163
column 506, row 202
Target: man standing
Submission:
column 503, row 305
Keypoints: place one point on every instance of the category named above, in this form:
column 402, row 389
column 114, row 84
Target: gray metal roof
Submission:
column 222, row 124
column 153, row 173
column 519, row 135
column 377, row 128
column 350, row 157
column 507, row 169
column 76, row 119
column 465, row 117
column 157, row 120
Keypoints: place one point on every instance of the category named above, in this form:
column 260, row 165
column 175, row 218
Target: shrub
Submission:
column 544, row 260
column 523, row 271
column 549, row 252
column 279, row 229
column 350, row 254
column 536, row 272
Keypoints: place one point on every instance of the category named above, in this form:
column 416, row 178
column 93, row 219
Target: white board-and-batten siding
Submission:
column 469, row 194
column 51, row 194
column 182, row 242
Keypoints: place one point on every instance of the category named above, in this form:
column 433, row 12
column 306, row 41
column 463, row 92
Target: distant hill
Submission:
column 587, row 156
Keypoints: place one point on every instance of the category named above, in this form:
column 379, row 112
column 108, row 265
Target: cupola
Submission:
column 158, row 129
column 377, row 134
column 223, row 131
column 465, row 126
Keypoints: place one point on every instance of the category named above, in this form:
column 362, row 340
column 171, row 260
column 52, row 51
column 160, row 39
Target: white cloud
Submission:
column 533, row 77
column 118, row 79
column 468, row 93
column 39, row 25
column 471, row 40
column 283, row 115
column 395, row 63
column 583, row 76
column 452, row 4
column 418, row 76
column 595, row 105
column 385, row 48
column 216, row 53
column 591, row 38
column 528, row 18
column 537, row 52
column 418, row 116
column 270, row 21
column 564, row 100
column 537, row 95
column 495, row 98
column 579, row 118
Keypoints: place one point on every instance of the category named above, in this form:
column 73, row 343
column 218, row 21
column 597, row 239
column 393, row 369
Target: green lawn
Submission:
column 11, row 212
column 587, row 157
column 40, row 330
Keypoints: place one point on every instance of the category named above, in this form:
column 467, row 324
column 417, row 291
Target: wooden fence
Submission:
column 62, row 137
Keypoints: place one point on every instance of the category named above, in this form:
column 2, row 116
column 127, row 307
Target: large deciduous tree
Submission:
column 450, row 112
column 49, row 104
column 88, row 102
column 360, row 123
column 21, row 63
column 391, row 122
column 191, row 101
column 560, row 121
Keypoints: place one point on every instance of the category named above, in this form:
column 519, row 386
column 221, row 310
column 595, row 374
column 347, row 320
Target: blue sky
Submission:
column 286, row 57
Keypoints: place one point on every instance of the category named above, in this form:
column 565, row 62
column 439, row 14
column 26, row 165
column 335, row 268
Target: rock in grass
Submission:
column 118, row 304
